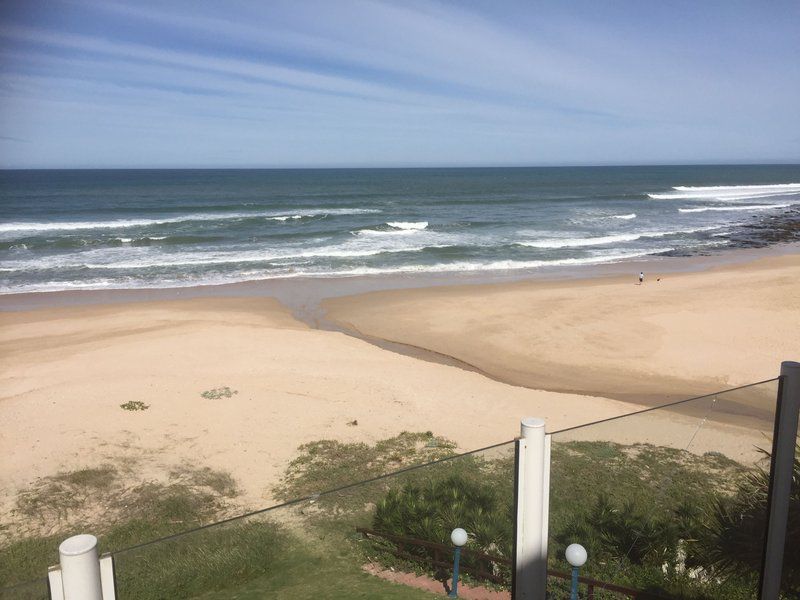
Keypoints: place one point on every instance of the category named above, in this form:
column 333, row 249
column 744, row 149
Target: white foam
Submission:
column 455, row 267
column 501, row 265
column 59, row 226
column 579, row 242
column 408, row 225
column 747, row 188
column 608, row 239
column 727, row 208
column 125, row 223
column 133, row 258
column 626, row 217
column 386, row 232
column 728, row 192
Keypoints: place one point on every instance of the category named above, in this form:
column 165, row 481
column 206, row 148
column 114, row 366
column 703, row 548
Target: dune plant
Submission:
column 734, row 530
column 134, row 405
column 217, row 393
column 430, row 510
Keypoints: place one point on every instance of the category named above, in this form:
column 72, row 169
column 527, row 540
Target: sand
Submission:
column 687, row 334
column 66, row 370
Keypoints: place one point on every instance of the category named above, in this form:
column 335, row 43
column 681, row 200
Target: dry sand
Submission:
column 65, row 371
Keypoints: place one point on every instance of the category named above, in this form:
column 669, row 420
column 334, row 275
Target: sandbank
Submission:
column 679, row 334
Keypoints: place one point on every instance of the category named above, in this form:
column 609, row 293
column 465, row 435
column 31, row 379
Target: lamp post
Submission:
column 459, row 538
column 576, row 556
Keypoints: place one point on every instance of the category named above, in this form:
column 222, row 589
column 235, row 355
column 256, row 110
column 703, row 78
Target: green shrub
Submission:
column 431, row 510
column 733, row 533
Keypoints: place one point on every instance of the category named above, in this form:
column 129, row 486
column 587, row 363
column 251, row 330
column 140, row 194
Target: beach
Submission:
column 678, row 334
column 571, row 351
column 303, row 299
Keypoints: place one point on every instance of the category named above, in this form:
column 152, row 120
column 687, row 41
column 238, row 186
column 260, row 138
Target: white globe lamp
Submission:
column 458, row 537
column 576, row 555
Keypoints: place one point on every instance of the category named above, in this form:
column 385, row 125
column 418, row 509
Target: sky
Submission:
column 335, row 83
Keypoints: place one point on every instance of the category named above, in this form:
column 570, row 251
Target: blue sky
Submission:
column 412, row 83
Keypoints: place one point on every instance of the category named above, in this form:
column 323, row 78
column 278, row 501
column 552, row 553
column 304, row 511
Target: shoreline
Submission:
column 309, row 301
column 305, row 295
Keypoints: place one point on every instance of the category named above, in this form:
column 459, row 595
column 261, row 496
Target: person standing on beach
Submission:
column 641, row 277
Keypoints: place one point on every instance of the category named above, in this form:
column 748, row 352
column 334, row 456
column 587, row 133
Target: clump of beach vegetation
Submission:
column 329, row 464
column 217, row 393
column 134, row 405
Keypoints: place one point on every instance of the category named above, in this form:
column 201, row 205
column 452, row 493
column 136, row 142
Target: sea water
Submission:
column 89, row 229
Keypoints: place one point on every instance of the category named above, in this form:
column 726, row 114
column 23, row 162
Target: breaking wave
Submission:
column 727, row 208
column 408, row 225
column 728, row 192
column 125, row 223
column 607, row 239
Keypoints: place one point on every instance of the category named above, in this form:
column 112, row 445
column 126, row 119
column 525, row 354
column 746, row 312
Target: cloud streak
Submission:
column 382, row 83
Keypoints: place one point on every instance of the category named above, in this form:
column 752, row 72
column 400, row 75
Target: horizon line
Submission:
column 409, row 167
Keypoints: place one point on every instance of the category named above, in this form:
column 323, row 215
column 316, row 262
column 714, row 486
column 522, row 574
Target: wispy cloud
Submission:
column 370, row 82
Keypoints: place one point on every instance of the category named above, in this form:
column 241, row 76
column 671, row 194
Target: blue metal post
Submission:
column 454, row 591
column 574, row 593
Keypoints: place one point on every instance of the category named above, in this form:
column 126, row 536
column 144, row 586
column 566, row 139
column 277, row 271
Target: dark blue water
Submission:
column 142, row 228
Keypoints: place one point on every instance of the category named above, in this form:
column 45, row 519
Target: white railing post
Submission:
column 780, row 486
column 532, row 511
column 80, row 575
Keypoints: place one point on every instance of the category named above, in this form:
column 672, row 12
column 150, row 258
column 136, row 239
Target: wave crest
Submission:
column 126, row 223
column 607, row 239
column 413, row 225
column 727, row 208
column 728, row 192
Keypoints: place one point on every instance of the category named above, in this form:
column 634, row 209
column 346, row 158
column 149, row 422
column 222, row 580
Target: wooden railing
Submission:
column 481, row 563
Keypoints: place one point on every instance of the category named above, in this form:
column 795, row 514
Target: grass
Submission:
column 217, row 393
column 329, row 464
column 615, row 499
column 52, row 498
column 97, row 500
column 276, row 555
column 326, row 569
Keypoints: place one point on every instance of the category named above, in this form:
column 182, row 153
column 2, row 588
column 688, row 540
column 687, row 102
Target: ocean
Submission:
column 84, row 229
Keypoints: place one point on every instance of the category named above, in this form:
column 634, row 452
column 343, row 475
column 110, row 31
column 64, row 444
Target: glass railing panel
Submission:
column 31, row 590
column 346, row 542
column 652, row 496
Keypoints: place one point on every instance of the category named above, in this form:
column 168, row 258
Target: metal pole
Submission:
column 530, row 577
column 780, row 479
column 457, row 555
column 80, row 568
column 574, row 592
